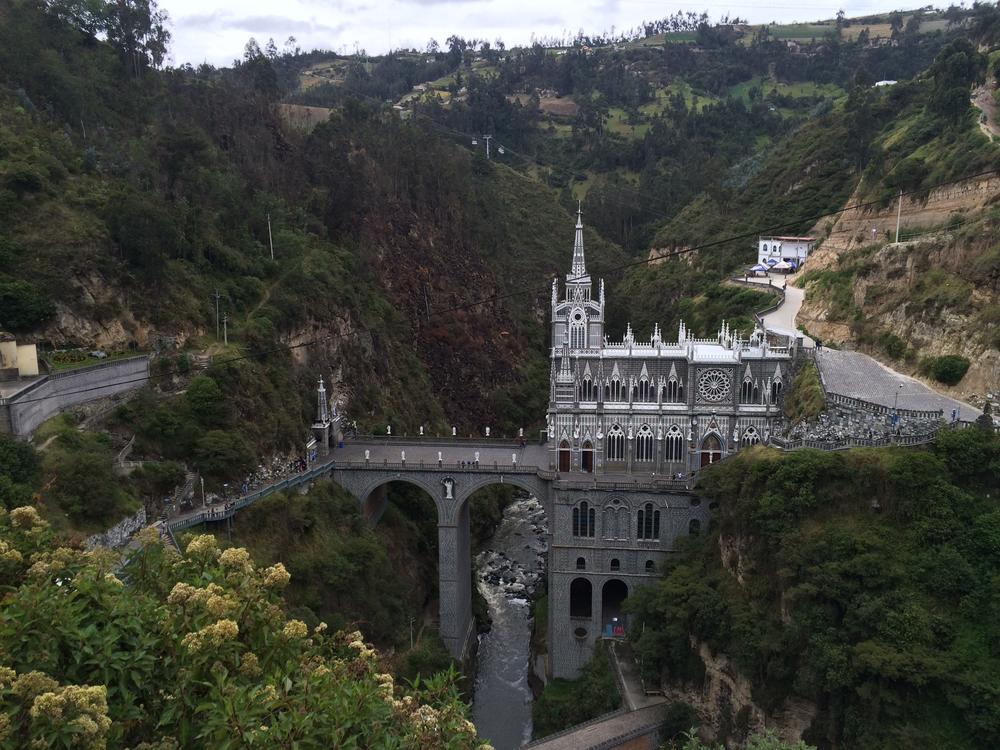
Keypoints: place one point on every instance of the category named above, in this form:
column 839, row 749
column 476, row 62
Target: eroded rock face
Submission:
column 733, row 551
column 893, row 271
column 725, row 705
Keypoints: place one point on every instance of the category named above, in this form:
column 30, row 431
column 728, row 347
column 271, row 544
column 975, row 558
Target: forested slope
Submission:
column 861, row 582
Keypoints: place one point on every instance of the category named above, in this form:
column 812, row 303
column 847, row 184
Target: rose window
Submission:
column 713, row 385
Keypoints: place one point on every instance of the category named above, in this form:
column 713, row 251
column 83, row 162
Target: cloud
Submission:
column 265, row 25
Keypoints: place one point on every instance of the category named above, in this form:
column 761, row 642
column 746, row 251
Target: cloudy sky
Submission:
column 215, row 31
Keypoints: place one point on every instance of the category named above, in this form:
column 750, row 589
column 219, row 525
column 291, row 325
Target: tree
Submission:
column 258, row 71
column 956, row 68
column 83, row 484
column 23, row 306
column 18, row 460
column 205, row 400
column 895, row 23
column 137, row 29
column 223, row 455
column 985, row 420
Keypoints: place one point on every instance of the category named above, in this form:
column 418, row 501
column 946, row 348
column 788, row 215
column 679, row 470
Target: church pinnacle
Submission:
column 579, row 264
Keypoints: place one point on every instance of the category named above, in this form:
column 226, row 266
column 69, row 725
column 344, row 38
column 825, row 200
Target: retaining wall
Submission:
column 21, row 414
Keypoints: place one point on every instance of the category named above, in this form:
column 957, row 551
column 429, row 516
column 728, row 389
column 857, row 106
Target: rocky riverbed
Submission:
column 508, row 574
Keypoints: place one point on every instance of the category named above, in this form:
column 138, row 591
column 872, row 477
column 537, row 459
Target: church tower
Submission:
column 577, row 319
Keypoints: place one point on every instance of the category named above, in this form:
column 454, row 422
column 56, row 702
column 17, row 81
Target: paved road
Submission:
column 859, row 376
column 782, row 320
column 982, row 98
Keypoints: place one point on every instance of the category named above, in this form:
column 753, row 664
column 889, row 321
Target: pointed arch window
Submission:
column 578, row 336
column 775, row 391
column 750, row 437
column 584, row 517
column 644, row 444
column 644, row 390
column 616, row 392
column 670, row 391
column 674, row 444
column 587, row 390
column 746, row 391
column 649, row 522
column 615, row 521
column 615, row 444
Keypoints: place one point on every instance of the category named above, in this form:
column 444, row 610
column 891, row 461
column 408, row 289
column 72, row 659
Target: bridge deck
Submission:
column 452, row 452
column 422, row 455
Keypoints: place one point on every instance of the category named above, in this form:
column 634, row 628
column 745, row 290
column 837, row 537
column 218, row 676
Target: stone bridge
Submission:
column 450, row 472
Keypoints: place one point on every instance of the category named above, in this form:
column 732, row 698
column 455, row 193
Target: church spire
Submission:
column 579, row 264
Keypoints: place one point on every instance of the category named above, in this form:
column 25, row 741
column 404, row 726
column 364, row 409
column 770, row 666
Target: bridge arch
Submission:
column 450, row 488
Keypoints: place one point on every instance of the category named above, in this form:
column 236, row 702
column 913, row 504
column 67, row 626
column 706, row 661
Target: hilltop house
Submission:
column 793, row 250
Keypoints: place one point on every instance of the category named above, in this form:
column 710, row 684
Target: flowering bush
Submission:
column 189, row 650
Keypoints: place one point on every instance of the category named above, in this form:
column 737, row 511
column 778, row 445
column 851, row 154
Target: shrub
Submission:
column 894, row 346
column 193, row 651
column 948, row 369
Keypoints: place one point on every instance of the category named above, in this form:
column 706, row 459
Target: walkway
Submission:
column 982, row 98
column 627, row 675
column 609, row 731
column 859, row 376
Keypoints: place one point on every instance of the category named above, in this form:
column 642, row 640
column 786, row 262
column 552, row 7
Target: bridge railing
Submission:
column 484, row 467
column 491, row 441
column 844, row 444
column 871, row 406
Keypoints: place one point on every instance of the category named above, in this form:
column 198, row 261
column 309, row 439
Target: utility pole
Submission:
column 487, row 139
column 269, row 240
column 899, row 212
column 217, row 296
column 225, row 328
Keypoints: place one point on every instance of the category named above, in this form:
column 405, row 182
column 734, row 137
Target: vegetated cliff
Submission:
column 837, row 598
column 134, row 199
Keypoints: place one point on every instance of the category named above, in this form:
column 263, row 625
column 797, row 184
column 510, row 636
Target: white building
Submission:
column 788, row 249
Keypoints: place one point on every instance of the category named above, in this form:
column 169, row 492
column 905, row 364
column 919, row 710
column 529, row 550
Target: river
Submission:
column 508, row 572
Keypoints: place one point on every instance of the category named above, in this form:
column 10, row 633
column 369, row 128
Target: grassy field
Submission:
column 692, row 98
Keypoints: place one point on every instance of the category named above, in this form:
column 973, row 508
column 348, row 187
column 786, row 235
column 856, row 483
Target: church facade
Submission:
column 654, row 406
column 623, row 416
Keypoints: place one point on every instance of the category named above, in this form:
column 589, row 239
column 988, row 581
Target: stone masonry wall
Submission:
column 24, row 412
